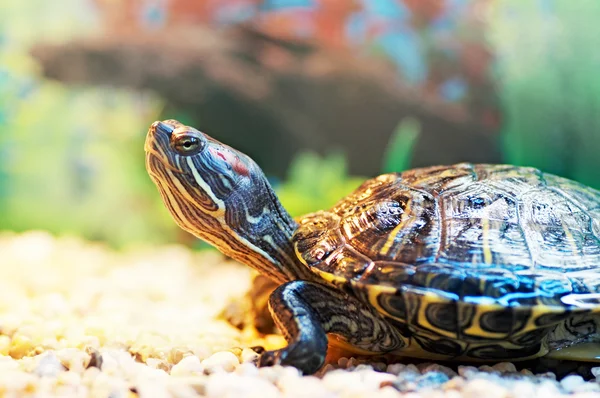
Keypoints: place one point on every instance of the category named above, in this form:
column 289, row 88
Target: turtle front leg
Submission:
column 305, row 312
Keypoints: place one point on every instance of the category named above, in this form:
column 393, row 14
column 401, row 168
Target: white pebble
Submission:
column 231, row 385
column 248, row 355
column 478, row 388
column 596, row 371
column 75, row 360
column 340, row 380
column 274, row 373
column 303, row 387
column 467, row 371
column 221, row 361
column 110, row 365
column 523, row 389
column 153, row 388
column 49, row 365
column 372, row 379
column 548, row 388
column 570, row 383
column 455, row 383
column 247, row 369
column 187, row 366
column 434, row 367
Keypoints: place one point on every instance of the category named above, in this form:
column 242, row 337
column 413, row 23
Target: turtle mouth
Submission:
column 157, row 148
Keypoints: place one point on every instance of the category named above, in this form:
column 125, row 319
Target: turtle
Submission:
column 466, row 262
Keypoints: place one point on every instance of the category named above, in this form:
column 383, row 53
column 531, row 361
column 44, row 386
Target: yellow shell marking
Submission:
column 392, row 237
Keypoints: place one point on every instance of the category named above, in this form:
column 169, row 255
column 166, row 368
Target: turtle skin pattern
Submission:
column 467, row 261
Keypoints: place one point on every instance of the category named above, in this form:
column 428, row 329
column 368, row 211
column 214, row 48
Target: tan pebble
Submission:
column 395, row 368
column 505, row 367
column 5, row 343
column 526, row 372
column 156, row 363
column 478, row 388
column 342, row 362
column 248, row 355
column 486, row 369
column 422, row 366
column 231, row 385
column 325, row 369
column 224, row 360
column 352, row 362
column 570, row 383
column 49, row 365
column 176, row 354
column 21, row 346
column 73, row 359
column 547, row 375
column 187, row 366
column 467, row 371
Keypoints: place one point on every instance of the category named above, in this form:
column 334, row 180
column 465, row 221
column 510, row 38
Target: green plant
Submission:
column 398, row 153
column 316, row 183
column 71, row 159
column 547, row 69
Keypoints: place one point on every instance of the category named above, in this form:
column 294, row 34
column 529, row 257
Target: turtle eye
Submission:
column 187, row 144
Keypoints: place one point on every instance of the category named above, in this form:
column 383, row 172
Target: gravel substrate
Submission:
column 77, row 319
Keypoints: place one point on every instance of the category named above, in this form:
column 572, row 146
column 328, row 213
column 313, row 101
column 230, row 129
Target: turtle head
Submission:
column 222, row 196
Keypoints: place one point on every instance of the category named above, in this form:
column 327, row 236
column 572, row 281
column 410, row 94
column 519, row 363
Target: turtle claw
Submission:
column 258, row 349
column 266, row 358
column 269, row 358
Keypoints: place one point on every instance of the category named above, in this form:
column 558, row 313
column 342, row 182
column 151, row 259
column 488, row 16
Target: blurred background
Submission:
column 321, row 93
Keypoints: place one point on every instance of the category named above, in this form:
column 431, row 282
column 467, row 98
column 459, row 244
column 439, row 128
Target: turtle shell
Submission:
column 468, row 252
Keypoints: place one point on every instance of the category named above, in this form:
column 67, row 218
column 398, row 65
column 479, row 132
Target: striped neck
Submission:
column 263, row 225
